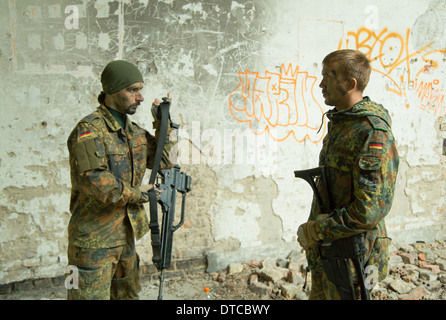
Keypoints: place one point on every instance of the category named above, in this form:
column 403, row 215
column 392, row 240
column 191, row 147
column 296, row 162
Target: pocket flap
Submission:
column 116, row 148
column 86, row 155
column 369, row 163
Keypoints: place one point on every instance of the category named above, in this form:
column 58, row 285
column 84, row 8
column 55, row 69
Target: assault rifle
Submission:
column 173, row 181
column 336, row 254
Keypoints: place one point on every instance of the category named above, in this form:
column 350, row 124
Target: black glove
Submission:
column 156, row 109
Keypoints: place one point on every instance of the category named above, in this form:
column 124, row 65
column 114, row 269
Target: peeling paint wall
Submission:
column 244, row 76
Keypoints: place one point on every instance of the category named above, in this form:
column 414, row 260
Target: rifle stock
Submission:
column 310, row 175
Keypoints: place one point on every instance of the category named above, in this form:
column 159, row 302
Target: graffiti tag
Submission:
column 279, row 104
column 406, row 69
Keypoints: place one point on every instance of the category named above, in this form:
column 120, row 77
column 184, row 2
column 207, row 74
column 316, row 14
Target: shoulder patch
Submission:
column 376, row 145
column 378, row 123
column 85, row 134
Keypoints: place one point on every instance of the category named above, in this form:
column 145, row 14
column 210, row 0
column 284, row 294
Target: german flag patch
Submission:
column 376, row 145
column 85, row 134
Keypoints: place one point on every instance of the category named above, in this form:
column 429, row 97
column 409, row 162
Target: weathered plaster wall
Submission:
column 244, row 76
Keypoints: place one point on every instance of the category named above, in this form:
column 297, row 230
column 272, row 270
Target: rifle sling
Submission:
column 154, row 225
column 154, row 229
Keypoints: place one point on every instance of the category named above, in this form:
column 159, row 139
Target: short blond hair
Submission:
column 354, row 64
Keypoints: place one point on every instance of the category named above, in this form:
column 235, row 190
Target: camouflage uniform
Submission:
column 360, row 155
column 107, row 164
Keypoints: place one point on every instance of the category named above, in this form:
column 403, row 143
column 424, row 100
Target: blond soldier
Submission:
column 361, row 161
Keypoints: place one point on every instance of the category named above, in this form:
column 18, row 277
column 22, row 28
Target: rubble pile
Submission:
column 267, row 279
column 416, row 272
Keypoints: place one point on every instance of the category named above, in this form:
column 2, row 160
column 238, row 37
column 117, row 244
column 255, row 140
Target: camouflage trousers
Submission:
column 105, row 274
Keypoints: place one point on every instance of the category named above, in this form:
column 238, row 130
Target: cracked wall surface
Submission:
column 244, row 78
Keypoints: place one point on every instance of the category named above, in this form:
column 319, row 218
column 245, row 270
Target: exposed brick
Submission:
column 428, row 275
column 43, row 283
column 253, row 278
column 268, row 262
column 297, row 263
column 148, row 269
column 289, row 290
column 411, row 275
column 235, row 268
column 415, row 294
column 189, row 264
column 23, row 285
column 294, row 278
column 6, row 288
column 407, row 258
column 254, row 264
column 172, row 274
column 442, row 264
column 58, row 281
column 260, row 288
column 400, row 286
column 434, row 268
column 273, row 274
column 221, row 277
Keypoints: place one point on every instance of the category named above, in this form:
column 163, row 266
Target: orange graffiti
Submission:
column 431, row 98
column 282, row 105
column 390, row 56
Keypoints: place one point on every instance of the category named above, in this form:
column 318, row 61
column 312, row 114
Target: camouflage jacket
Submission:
column 361, row 160
column 107, row 165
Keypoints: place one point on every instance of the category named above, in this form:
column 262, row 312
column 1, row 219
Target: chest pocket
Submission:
column 340, row 159
column 118, row 156
column 369, row 173
column 339, row 164
column 116, row 145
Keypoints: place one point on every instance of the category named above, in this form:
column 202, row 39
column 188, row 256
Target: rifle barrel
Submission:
column 160, row 293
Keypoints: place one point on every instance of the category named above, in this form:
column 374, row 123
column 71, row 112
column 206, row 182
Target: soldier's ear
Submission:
column 352, row 84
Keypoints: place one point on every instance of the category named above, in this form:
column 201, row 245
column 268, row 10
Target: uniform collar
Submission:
column 111, row 121
column 334, row 112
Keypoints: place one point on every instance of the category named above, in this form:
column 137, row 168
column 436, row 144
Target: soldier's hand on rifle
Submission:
column 308, row 235
column 156, row 112
column 145, row 195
